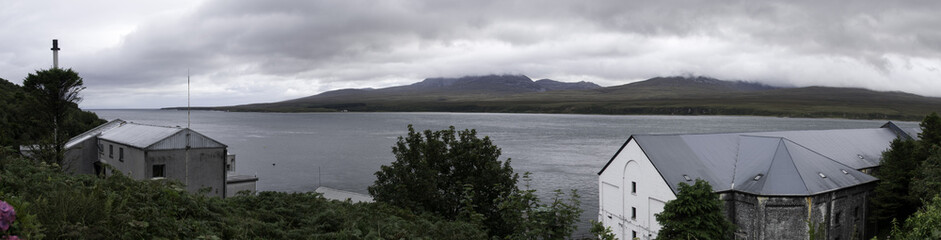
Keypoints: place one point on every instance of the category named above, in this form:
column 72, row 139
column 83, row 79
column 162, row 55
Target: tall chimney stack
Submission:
column 55, row 53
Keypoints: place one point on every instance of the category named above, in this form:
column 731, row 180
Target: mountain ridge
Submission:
column 678, row 95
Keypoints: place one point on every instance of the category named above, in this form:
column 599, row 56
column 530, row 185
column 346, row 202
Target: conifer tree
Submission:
column 54, row 91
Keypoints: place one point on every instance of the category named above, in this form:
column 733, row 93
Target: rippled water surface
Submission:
column 297, row 151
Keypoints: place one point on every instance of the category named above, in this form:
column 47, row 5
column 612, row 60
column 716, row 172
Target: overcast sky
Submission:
column 135, row 54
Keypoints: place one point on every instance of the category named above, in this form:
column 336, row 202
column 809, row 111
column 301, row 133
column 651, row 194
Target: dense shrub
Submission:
column 54, row 205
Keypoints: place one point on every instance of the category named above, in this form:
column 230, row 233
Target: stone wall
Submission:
column 839, row 215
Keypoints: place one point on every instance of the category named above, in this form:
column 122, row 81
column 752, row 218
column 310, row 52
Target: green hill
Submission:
column 18, row 118
column 662, row 96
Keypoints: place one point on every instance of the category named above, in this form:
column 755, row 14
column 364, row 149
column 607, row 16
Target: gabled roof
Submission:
column 93, row 132
column 153, row 137
column 769, row 163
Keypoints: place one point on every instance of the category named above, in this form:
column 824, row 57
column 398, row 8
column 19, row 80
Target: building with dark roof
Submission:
column 772, row 183
column 143, row 151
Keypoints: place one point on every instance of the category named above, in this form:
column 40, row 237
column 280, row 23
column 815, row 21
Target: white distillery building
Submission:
column 771, row 183
column 143, row 151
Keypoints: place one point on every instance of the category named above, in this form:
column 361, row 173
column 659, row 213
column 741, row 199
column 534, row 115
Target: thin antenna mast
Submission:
column 187, row 98
column 186, row 165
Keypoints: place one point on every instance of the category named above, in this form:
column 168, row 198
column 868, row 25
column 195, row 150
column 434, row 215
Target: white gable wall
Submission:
column 617, row 198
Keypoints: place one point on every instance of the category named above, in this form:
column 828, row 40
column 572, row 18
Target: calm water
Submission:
column 297, row 151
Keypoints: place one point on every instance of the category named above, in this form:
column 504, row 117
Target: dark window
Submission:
column 110, row 151
column 633, row 234
column 159, row 170
column 633, row 213
column 121, row 154
column 101, row 149
column 836, row 218
column 856, row 213
column 633, row 187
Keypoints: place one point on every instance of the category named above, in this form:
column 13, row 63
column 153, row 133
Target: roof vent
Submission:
column 821, row 175
column 860, row 156
column 687, row 178
column 758, row 177
column 844, row 171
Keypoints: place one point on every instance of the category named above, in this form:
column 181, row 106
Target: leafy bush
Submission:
column 52, row 204
column 456, row 175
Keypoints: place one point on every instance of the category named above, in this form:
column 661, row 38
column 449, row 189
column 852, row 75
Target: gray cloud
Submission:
column 257, row 51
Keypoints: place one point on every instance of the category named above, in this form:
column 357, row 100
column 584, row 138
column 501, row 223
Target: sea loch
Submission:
column 299, row 151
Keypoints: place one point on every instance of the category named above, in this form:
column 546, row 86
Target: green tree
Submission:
column 696, row 213
column 54, row 92
column 930, row 130
column 892, row 198
column 600, row 232
column 17, row 123
column 432, row 171
column 457, row 175
column 927, row 179
column 908, row 174
column 924, row 224
column 535, row 220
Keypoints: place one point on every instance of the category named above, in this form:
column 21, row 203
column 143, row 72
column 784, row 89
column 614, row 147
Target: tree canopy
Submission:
column 909, row 174
column 54, row 93
column 457, row 175
column 696, row 213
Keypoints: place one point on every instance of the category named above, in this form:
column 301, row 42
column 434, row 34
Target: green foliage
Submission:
column 892, row 198
column 696, row 213
column 927, row 180
column 535, row 220
column 457, row 175
column 432, row 170
column 22, row 125
column 931, row 130
column 16, row 122
column 924, row 224
column 910, row 174
column 600, row 232
column 53, row 93
column 52, row 204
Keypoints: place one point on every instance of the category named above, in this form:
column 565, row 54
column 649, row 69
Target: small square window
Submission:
column 633, row 213
column 634, row 187
column 158, row 170
column 121, row 154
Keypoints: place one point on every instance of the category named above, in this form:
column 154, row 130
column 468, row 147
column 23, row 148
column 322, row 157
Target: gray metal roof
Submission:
column 93, row 132
column 152, row 137
column 769, row 163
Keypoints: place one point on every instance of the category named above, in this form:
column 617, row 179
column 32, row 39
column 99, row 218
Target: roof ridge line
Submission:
column 768, row 171
column 153, row 125
column 738, row 146
column 788, row 151
column 815, row 152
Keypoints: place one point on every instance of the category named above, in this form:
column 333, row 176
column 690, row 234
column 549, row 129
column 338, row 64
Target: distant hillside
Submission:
column 19, row 124
column 661, row 95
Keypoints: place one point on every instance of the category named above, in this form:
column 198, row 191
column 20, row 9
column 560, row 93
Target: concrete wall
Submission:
column 81, row 158
column 616, row 196
column 235, row 188
column 133, row 164
column 206, row 168
column 839, row 214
